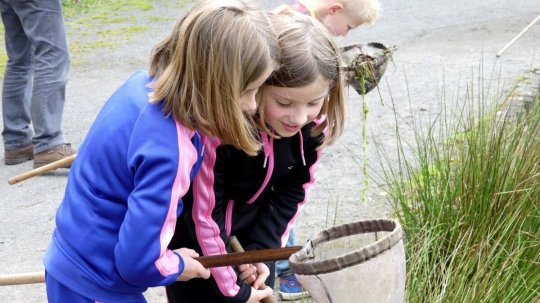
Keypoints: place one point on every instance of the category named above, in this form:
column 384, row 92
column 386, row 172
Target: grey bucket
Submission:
column 362, row 261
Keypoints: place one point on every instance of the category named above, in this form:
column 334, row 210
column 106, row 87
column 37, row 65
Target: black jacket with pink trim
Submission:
column 257, row 199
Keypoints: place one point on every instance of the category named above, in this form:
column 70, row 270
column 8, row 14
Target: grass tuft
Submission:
column 467, row 192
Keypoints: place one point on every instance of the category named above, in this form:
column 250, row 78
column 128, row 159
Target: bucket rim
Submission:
column 298, row 263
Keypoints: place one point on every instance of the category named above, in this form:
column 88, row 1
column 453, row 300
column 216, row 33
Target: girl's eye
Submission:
column 313, row 104
column 283, row 104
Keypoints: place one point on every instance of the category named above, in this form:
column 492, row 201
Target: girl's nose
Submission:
column 249, row 104
column 299, row 118
column 251, row 107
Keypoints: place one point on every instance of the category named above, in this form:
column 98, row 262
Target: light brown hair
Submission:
column 202, row 67
column 307, row 51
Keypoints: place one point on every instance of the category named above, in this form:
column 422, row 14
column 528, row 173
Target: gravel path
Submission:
column 436, row 40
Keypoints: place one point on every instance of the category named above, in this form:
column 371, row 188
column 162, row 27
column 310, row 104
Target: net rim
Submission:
column 300, row 261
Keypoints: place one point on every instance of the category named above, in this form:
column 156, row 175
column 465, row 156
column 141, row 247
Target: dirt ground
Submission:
column 438, row 43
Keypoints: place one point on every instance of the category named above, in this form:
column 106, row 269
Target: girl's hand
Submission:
column 192, row 267
column 262, row 274
column 258, row 294
column 247, row 273
column 254, row 274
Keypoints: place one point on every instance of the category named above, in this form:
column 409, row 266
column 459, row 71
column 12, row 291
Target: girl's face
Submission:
column 247, row 97
column 288, row 109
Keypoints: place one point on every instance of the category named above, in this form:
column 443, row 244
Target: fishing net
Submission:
column 365, row 64
column 356, row 262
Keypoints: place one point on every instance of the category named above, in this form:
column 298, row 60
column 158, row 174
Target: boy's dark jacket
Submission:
column 257, row 199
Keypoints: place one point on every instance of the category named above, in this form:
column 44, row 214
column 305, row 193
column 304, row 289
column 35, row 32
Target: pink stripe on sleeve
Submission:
column 206, row 229
column 168, row 262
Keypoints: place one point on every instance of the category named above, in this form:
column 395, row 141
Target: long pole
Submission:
column 518, row 35
column 236, row 258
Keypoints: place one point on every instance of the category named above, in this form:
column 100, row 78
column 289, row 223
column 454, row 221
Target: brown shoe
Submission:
column 19, row 155
column 57, row 152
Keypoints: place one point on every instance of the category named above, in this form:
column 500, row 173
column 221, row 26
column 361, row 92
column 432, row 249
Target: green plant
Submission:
column 467, row 192
column 109, row 7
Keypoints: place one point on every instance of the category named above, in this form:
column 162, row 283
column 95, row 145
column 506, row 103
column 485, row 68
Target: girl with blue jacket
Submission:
column 127, row 184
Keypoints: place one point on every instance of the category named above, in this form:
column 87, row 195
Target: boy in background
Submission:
column 339, row 17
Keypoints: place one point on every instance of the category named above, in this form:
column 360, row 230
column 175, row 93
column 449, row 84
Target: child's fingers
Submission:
column 258, row 294
column 247, row 273
column 192, row 267
column 249, row 279
column 189, row 252
column 243, row 267
column 262, row 274
column 203, row 272
column 264, row 293
column 259, row 281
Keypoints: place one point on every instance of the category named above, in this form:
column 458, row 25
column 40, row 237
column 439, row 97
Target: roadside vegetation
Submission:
column 467, row 192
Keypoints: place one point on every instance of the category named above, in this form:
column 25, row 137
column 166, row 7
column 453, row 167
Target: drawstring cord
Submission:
column 266, row 148
column 302, row 147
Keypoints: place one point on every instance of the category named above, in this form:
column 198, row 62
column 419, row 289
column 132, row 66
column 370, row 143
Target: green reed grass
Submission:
column 467, row 192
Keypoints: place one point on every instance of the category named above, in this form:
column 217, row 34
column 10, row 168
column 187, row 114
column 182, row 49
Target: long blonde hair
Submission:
column 308, row 51
column 202, row 67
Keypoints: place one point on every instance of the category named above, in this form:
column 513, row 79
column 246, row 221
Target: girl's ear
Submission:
column 334, row 8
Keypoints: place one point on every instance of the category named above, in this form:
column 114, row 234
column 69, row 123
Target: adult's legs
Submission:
column 43, row 23
column 17, row 86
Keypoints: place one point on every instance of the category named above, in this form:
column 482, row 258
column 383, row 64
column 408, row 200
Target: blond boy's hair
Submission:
column 208, row 60
column 307, row 52
column 366, row 10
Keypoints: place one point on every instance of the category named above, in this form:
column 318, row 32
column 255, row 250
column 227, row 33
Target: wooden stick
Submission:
column 24, row 278
column 518, row 35
column 238, row 258
column 248, row 257
column 237, row 247
column 43, row 169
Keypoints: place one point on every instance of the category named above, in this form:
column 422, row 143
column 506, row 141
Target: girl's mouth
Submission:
column 290, row 128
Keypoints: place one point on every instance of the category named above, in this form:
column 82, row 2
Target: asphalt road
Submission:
column 438, row 43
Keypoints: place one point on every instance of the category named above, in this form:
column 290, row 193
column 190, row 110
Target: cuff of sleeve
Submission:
column 180, row 264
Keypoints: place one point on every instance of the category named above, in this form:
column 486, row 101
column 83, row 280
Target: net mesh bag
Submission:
column 362, row 261
column 364, row 64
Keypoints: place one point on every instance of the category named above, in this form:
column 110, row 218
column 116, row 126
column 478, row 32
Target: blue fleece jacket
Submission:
column 122, row 199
